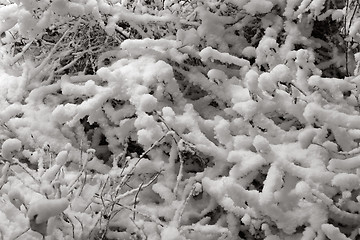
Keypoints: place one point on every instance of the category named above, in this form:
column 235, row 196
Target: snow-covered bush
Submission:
column 173, row 119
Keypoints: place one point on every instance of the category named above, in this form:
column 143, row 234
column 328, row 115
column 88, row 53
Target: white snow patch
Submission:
column 213, row 54
column 170, row 233
column 10, row 147
column 41, row 210
column 306, row 137
column 261, row 144
column 148, row 103
column 346, row 181
column 332, row 232
column 217, row 74
column 258, row 7
column 188, row 37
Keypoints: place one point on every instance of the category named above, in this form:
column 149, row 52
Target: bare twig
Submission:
column 22, row 233
column 16, row 161
column 21, row 54
column 180, row 210
column 180, row 174
column 135, row 199
column 67, row 219
column 47, row 59
column 143, row 235
column 127, row 176
column 135, row 190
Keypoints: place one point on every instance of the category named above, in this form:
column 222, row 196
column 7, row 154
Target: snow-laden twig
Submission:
column 136, row 190
column 20, row 234
column 180, row 173
column 133, row 167
column 25, row 168
column 89, row 157
column 17, row 57
column 135, row 199
column 176, row 221
column 39, row 68
column 140, row 230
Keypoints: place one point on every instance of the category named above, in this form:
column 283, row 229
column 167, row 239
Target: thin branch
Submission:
column 16, row 161
column 180, row 174
column 20, row 234
column 47, row 59
column 143, row 235
column 21, row 54
column 135, row 190
column 180, row 210
column 135, row 200
column 127, row 176
column 81, row 224
column 72, row 224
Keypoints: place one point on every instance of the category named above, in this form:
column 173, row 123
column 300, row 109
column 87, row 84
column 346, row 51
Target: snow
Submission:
column 148, row 103
column 303, row 189
column 76, row 9
column 61, row 158
column 8, row 13
column 346, row 181
column 209, row 53
column 246, row 162
column 50, row 173
column 314, row 111
column 337, row 14
column 217, row 74
column 10, row 147
column 16, row 197
column 188, row 37
column 261, row 144
column 164, row 192
column 171, row 233
column 306, row 137
column 332, row 232
column 41, row 210
column 267, row 83
column 258, row 6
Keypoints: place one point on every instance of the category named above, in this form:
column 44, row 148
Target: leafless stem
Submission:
column 16, row 161
column 20, row 234
column 135, row 200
